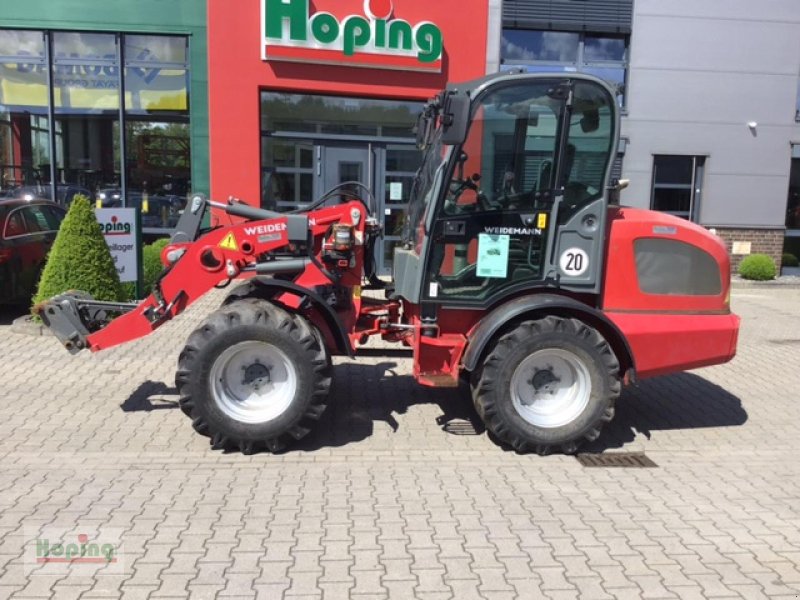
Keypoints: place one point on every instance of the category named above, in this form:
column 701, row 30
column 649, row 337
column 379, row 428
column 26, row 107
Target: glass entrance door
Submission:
column 341, row 164
column 388, row 171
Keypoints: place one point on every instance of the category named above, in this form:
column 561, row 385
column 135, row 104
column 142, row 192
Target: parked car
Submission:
column 27, row 230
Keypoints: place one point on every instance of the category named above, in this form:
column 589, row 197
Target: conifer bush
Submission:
column 80, row 259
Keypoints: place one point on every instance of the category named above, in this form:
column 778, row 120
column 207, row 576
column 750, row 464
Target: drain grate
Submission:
column 630, row 460
column 459, row 427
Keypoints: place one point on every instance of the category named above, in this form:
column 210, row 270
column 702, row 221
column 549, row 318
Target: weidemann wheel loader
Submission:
column 519, row 273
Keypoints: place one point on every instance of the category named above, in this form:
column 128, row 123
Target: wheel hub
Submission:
column 544, row 382
column 253, row 382
column 256, row 375
column 550, row 388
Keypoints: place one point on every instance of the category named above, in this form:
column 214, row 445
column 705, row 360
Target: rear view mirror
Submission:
column 455, row 118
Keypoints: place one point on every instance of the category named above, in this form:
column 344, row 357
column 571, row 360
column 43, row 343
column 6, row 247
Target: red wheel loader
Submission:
column 519, row 274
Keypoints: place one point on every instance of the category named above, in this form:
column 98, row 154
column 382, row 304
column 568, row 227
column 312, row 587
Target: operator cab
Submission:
column 512, row 192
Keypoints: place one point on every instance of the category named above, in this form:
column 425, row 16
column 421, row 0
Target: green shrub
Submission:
column 79, row 258
column 759, row 267
column 789, row 260
column 151, row 268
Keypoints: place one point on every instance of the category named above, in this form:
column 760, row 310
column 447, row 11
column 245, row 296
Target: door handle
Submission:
column 455, row 228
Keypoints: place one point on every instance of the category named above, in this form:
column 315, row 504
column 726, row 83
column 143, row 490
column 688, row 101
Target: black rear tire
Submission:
column 254, row 376
column 547, row 385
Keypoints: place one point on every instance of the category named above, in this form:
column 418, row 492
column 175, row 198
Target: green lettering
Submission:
column 400, row 35
column 429, row 40
column 294, row 11
column 356, row 33
column 324, row 27
column 380, row 33
column 42, row 548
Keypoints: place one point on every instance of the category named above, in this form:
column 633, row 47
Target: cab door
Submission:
column 525, row 205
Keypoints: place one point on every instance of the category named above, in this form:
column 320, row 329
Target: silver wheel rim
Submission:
column 551, row 388
column 253, row 382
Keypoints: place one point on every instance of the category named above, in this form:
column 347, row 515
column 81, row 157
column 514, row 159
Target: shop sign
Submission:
column 375, row 39
column 119, row 229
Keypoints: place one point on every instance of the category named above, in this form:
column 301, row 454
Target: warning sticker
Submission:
column 229, row 243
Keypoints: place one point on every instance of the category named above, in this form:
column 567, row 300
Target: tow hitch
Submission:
column 74, row 315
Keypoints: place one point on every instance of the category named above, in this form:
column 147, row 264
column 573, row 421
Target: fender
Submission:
column 546, row 304
column 267, row 287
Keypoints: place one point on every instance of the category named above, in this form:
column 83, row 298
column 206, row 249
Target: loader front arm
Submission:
column 283, row 244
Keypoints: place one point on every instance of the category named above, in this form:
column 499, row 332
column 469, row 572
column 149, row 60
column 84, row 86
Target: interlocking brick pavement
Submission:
column 380, row 502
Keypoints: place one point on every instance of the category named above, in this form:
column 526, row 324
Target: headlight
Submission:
column 101, row 195
column 27, row 197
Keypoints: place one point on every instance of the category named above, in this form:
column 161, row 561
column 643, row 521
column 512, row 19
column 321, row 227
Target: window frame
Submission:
column 698, row 166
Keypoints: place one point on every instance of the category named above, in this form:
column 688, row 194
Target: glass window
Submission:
column 530, row 45
column 333, row 115
column 24, row 126
column 55, row 215
column 588, row 151
column 155, row 49
column 601, row 49
column 158, row 155
column 84, row 149
column 94, row 47
column 797, row 102
column 602, row 55
column 156, row 75
column 15, row 224
column 677, row 185
column 793, row 202
column 287, row 176
column 39, row 220
column 17, row 43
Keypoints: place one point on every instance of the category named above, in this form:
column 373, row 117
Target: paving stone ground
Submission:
column 381, row 502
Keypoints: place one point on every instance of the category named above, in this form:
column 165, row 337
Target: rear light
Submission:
column 5, row 255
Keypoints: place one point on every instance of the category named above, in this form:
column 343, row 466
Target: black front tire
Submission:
column 263, row 333
column 573, row 347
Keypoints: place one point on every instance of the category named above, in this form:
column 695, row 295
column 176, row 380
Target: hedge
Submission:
column 759, row 267
column 151, row 267
column 789, row 260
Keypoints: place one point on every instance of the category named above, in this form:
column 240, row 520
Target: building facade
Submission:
column 709, row 92
column 278, row 101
